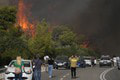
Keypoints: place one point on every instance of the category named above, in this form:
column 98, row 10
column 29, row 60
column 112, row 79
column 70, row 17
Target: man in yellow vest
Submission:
column 73, row 60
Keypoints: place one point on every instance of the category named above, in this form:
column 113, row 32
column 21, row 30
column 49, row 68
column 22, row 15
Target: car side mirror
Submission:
column 5, row 66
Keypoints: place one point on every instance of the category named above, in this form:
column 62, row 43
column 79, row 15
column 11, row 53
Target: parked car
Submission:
column 105, row 61
column 81, row 63
column 62, row 62
column 118, row 64
column 88, row 61
column 27, row 74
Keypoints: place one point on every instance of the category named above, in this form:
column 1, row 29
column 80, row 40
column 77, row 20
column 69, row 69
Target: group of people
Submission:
column 49, row 62
column 48, row 66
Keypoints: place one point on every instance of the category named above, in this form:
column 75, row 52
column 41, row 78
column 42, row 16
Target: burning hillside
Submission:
column 22, row 19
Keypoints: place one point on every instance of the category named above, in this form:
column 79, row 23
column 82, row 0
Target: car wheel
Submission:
column 68, row 67
column 84, row 66
column 100, row 65
column 33, row 78
column 110, row 65
column 118, row 68
column 56, row 67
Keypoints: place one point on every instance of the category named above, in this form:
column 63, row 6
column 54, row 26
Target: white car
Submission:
column 105, row 61
column 26, row 75
column 88, row 61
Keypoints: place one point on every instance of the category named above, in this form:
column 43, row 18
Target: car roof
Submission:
column 87, row 57
column 22, row 60
column 105, row 56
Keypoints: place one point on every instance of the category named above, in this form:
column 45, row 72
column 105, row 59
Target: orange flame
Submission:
column 22, row 19
column 85, row 44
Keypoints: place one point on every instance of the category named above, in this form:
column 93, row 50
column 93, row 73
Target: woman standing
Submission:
column 50, row 67
column 18, row 64
column 73, row 60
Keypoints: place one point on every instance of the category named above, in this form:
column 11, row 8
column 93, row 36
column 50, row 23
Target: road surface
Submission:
column 113, row 75
column 89, row 73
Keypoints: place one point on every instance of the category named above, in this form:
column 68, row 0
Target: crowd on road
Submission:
column 37, row 62
column 49, row 65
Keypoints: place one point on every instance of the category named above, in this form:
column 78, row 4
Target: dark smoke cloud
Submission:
column 97, row 19
column 4, row 2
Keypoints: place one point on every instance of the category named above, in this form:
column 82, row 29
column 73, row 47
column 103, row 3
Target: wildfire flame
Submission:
column 22, row 19
column 85, row 44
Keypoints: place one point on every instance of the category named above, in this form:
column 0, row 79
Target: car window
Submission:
column 105, row 58
column 11, row 64
column 26, row 63
column 87, row 58
column 62, row 58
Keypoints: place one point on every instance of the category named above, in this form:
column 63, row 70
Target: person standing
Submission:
column 73, row 60
column 37, row 70
column 46, row 58
column 92, row 61
column 50, row 67
column 19, row 65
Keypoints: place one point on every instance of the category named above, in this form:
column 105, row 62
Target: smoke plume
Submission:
column 97, row 19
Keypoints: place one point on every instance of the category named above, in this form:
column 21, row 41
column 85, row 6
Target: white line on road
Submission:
column 103, row 74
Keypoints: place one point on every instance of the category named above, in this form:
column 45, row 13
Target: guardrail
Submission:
column 2, row 70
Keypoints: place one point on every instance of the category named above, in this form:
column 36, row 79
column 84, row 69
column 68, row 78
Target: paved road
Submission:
column 89, row 73
column 113, row 74
column 84, row 74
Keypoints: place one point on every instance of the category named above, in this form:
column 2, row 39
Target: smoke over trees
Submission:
column 98, row 19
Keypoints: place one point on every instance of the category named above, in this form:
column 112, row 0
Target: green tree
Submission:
column 59, row 30
column 14, row 44
column 7, row 17
column 11, row 43
column 65, row 41
column 67, row 38
column 41, row 43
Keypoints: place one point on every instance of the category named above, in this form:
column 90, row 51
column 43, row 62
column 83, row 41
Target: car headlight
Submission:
column 55, row 62
column 28, row 72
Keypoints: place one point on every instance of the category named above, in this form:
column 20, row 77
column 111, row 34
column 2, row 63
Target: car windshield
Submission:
column 26, row 63
column 87, row 58
column 105, row 58
column 64, row 58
